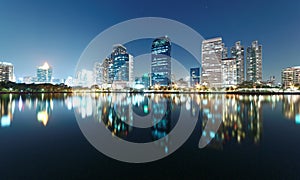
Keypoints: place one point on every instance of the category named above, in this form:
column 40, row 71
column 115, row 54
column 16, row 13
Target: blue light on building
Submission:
column 161, row 61
column 44, row 73
column 194, row 76
column 119, row 58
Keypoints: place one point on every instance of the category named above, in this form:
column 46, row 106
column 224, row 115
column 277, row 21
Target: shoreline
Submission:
column 158, row 92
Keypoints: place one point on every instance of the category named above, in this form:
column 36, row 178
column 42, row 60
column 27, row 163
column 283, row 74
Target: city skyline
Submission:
column 219, row 69
column 58, row 33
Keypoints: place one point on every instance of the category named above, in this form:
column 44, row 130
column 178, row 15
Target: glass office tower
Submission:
column 44, row 73
column 237, row 52
column 254, row 62
column 194, row 76
column 161, row 61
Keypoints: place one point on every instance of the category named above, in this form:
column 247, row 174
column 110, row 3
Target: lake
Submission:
column 195, row 136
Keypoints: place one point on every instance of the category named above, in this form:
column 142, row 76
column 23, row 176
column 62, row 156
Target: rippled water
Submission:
column 252, row 137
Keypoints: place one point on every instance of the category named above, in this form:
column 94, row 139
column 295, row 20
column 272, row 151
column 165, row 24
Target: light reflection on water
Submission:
column 257, row 137
column 241, row 116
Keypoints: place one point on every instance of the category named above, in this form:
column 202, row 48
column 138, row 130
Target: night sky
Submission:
column 57, row 31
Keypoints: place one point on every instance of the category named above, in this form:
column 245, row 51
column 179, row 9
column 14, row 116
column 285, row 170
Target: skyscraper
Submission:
column 122, row 68
column 6, row 71
column 229, row 72
column 44, row 73
column 194, row 76
column 212, row 53
column 98, row 73
column 254, row 62
column 129, row 68
column 120, row 59
column 237, row 52
column 108, row 75
column 161, row 61
column 84, row 78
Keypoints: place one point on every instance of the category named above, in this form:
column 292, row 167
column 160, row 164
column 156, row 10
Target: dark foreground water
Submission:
column 248, row 137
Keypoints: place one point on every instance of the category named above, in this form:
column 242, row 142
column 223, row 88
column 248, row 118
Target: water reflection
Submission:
column 7, row 110
column 238, row 118
column 44, row 107
column 291, row 107
column 231, row 118
column 42, row 104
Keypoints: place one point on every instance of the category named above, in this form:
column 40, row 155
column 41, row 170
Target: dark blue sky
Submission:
column 57, row 31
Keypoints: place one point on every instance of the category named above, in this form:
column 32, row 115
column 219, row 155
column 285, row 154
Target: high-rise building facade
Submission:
column 143, row 81
column 254, row 62
column 98, row 73
column 229, row 72
column 84, row 78
column 122, row 64
column 290, row 76
column 237, row 52
column 108, row 75
column 6, row 71
column 212, row 53
column 161, row 61
column 129, row 68
column 44, row 73
column 194, row 76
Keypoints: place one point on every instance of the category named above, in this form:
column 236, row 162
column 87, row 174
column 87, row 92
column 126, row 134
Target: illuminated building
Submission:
column 142, row 82
column 84, row 78
column 29, row 79
column 98, row 73
column 229, row 72
column 44, row 73
column 103, row 72
column 237, row 52
column 254, row 62
column 122, row 64
column 194, row 76
column 6, row 71
column 290, row 76
column 212, row 53
column 161, row 61
column 107, row 74
column 146, row 80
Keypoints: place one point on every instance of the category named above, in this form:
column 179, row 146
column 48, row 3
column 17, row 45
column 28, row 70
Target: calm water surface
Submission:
column 258, row 137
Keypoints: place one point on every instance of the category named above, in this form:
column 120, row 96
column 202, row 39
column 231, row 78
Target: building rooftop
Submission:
column 45, row 66
column 6, row 63
column 212, row 40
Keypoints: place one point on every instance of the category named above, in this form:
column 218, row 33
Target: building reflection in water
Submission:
column 116, row 111
column 162, row 125
column 44, row 107
column 241, row 116
column 7, row 109
column 42, row 104
column 291, row 107
column 212, row 107
column 242, row 119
